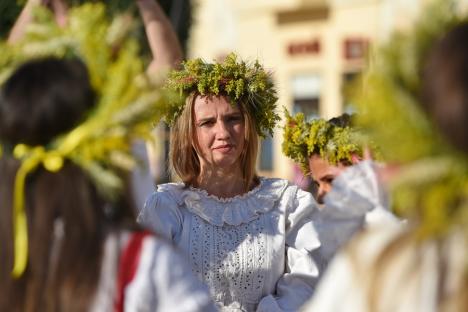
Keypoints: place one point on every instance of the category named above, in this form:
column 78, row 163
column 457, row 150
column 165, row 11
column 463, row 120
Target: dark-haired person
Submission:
column 328, row 151
column 86, row 253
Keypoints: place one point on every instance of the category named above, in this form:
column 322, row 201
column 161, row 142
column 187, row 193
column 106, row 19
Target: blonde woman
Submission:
column 247, row 237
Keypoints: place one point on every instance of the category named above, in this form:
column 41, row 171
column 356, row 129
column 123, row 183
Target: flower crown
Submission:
column 248, row 85
column 127, row 105
column 332, row 142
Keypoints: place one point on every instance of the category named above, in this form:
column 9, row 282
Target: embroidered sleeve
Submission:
column 301, row 271
column 161, row 214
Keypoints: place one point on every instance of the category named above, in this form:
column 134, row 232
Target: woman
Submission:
column 249, row 238
column 421, row 267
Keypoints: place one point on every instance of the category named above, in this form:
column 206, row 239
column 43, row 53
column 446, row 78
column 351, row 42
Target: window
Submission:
column 355, row 48
column 306, row 94
column 266, row 154
column 306, row 91
column 349, row 79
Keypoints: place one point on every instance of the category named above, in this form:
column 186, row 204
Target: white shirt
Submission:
column 253, row 251
column 163, row 280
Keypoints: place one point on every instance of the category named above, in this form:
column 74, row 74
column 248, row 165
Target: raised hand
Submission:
column 163, row 41
column 59, row 7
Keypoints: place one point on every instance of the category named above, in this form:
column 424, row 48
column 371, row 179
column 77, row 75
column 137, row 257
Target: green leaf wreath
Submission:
column 302, row 138
column 242, row 83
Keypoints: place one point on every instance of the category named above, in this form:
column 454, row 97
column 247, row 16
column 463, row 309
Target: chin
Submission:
column 225, row 163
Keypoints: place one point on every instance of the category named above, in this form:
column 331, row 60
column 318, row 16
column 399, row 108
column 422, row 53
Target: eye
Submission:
column 234, row 119
column 329, row 180
column 206, row 123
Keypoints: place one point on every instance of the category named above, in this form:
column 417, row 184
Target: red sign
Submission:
column 304, row 47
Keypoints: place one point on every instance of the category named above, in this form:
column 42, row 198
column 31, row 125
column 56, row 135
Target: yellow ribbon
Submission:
column 31, row 158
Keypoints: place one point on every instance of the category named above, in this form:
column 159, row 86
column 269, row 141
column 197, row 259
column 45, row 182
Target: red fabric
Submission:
column 129, row 261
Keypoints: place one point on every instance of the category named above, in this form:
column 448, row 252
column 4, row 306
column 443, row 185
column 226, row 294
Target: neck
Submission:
column 223, row 183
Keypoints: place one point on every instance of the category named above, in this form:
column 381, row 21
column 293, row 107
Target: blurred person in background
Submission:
column 166, row 54
column 422, row 266
column 325, row 150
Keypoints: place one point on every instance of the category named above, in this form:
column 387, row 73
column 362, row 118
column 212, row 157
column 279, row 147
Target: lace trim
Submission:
column 205, row 194
column 233, row 211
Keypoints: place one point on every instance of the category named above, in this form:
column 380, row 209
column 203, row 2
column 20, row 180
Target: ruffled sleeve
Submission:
column 161, row 214
column 357, row 192
column 298, row 282
column 165, row 282
column 357, row 200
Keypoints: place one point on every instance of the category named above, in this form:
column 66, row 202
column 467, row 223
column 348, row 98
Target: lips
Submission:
column 224, row 148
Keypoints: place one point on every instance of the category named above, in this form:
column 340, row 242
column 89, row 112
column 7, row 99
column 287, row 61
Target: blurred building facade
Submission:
column 313, row 47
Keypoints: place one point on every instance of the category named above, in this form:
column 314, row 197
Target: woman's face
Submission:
column 219, row 130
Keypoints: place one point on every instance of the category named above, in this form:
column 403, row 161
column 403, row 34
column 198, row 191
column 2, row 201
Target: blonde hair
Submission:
column 183, row 156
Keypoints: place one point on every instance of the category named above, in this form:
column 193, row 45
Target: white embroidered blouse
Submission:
column 253, row 251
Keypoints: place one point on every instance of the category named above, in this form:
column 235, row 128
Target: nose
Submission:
column 222, row 130
column 321, row 192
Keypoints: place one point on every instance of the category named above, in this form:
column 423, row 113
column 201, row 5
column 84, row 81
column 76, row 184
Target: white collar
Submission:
column 234, row 210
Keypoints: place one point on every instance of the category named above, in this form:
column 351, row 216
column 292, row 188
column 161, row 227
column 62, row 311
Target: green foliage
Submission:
column 178, row 11
column 127, row 103
column 390, row 97
column 9, row 11
column 242, row 83
column 434, row 187
column 335, row 144
column 295, row 134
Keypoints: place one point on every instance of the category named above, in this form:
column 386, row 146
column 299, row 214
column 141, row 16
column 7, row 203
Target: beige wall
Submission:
column 264, row 29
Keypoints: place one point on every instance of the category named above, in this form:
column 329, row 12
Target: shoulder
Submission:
column 293, row 199
column 169, row 192
column 286, row 188
column 162, row 210
column 166, row 196
column 278, row 186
